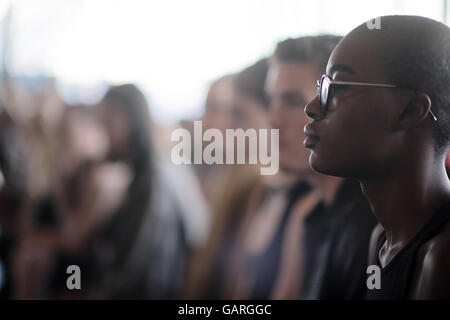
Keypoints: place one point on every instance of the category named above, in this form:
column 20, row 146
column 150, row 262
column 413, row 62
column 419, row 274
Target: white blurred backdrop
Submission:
column 172, row 49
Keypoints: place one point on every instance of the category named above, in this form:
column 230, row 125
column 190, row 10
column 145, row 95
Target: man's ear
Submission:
column 416, row 108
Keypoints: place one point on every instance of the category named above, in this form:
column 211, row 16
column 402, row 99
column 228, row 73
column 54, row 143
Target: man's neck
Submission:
column 327, row 185
column 406, row 199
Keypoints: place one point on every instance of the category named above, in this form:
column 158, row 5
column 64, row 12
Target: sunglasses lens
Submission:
column 324, row 88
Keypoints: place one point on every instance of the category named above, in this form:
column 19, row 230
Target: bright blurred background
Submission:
column 90, row 92
column 171, row 49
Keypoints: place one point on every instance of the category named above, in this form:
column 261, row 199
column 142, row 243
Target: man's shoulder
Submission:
column 437, row 249
column 433, row 278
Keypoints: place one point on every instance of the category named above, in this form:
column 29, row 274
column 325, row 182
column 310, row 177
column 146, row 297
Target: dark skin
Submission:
column 383, row 138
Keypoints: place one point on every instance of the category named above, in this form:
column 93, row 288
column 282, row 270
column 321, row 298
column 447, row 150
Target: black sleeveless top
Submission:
column 396, row 275
column 264, row 268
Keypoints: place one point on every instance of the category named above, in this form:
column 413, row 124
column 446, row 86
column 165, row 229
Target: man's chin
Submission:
column 317, row 165
column 327, row 170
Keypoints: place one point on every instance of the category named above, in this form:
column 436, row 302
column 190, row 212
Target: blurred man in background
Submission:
column 330, row 247
column 239, row 103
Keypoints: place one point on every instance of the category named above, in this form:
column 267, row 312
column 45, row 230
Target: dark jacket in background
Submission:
column 336, row 246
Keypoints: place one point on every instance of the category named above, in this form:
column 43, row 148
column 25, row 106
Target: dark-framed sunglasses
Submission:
column 325, row 83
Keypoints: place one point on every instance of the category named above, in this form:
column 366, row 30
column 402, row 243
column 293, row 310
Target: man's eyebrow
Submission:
column 341, row 67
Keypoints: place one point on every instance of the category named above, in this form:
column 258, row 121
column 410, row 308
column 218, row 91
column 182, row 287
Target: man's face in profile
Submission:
column 290, row 85
column 354, row 136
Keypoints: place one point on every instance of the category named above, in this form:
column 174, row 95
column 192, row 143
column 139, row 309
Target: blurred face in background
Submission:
column 247, row 112
column 80, row 138
column 217, row 107
column 117, row 126
column 289, row 86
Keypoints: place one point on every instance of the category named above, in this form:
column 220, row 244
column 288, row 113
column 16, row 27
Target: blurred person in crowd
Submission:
column 332, row 251
column 115, row 212
column 236, row 101
column 217, row 115
column 14, row 196
column 173, row 222
column 29, row 111
column 65, row 219
column 382, row 117
column 299, row 242
column 145, row 242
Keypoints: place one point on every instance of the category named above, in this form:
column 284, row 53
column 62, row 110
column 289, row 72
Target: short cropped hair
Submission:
column 314, row 49
column 417, row 51
column 250, row 81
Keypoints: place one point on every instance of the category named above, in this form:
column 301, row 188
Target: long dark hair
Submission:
column 120, row 233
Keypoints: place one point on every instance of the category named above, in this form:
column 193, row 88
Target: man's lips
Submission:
column 311, row 137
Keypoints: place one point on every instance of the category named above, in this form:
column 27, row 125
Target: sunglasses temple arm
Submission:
column 432, row 114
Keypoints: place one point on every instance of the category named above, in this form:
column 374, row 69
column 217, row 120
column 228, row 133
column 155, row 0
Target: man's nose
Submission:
column 312, row 109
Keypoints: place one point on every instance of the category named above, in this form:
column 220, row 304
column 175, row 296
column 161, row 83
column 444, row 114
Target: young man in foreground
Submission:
column 382, row 117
